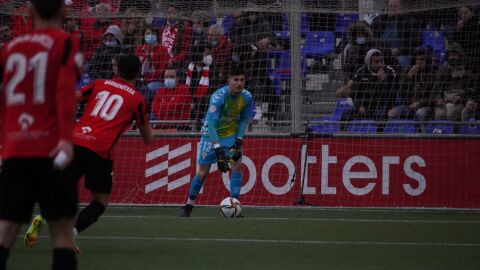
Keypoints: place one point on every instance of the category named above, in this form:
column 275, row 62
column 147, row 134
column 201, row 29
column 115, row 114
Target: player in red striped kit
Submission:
column 38, row 73
column 111, row 106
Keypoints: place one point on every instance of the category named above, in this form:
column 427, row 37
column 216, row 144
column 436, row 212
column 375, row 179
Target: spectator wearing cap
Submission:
column 453, row 81
column 100, row 66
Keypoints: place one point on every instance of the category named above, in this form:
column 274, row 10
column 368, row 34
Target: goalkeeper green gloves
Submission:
column 235, row 152
column 222, row 161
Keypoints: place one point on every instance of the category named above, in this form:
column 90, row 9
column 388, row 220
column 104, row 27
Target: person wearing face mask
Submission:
column 176, row 36
column 100, row 67
column 452, row 80
column 154, row 58
column 172, row 102
column 359, row 36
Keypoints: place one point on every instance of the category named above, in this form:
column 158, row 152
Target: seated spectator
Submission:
column 154, row 58
column 200, row 24
column 176, row 36
column 221, row 52
column 133, row 27
column 467, row 34
column 100, row 67
column 172, row 102
column 5, row 29
column 417, row 83
column 71, row 26
column 251, row 35
column 453, row 80
column 94, row 22
column 360, row 37
column 375, row 87
column 398, row 29
column 470, row 111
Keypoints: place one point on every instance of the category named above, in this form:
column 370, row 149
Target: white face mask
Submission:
column 111, row 43
column 207, row 60
column 361, row 40
column 170, row 83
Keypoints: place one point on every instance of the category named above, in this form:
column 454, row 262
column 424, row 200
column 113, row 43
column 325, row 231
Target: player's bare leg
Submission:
column 195, row 187
column 8, row 235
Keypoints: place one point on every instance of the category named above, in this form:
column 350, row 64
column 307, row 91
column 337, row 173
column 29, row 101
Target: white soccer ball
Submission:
column 230, row 207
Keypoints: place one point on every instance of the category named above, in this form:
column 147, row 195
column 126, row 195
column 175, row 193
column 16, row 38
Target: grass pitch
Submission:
column 147, row 238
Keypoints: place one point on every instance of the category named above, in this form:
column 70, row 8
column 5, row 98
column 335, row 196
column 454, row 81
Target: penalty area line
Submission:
column 307, row 219
column 280, row 241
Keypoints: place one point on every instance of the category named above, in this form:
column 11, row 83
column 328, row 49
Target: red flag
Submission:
column 202, row 87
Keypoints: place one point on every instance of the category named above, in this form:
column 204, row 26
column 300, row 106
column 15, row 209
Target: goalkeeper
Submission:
column 228, row 114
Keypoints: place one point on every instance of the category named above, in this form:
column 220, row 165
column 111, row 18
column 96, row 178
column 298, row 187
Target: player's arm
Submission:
column 66, row 101
column 143, row 124
column 85, row 92
column 244, row 119
column 146, row 133
column 213, row 115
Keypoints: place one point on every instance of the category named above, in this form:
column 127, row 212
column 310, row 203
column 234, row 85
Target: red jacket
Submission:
column 221, row 55
column 172, row 104
column 158, row 57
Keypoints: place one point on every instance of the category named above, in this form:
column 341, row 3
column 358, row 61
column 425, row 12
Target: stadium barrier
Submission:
column 282, row 171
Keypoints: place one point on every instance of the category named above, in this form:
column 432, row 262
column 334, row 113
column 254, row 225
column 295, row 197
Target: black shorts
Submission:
column 25, row 181
column 97, row 170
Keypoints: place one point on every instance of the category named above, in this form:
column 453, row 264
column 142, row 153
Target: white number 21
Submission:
column 21, row 65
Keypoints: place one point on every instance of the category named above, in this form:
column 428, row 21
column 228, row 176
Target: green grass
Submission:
column 294, row 238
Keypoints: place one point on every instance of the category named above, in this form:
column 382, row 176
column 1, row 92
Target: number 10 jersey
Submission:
column 111, row 107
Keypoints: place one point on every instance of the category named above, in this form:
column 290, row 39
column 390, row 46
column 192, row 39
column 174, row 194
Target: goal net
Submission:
column 358, row 103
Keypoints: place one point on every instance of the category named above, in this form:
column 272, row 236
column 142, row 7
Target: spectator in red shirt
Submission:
column 154, row 58
column 172, row 102
column 221, row 50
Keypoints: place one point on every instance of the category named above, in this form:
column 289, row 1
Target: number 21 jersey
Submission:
column 38, row 71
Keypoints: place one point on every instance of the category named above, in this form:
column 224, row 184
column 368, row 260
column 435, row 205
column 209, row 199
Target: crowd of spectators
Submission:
column 388, row 72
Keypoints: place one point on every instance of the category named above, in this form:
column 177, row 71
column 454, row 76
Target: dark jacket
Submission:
column 408, row 33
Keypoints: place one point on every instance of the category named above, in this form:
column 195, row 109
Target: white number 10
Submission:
column 107, row 105
column 19, row 62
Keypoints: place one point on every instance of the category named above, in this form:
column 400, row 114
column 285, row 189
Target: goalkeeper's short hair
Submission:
column 235, row 71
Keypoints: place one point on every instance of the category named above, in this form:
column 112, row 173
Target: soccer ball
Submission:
column 230, row 207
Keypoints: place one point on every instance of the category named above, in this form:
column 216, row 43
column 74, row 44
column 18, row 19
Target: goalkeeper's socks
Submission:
column 64, row 259
column 4, row 252
column 89, row 215
column 195, row 188
column 235, row 184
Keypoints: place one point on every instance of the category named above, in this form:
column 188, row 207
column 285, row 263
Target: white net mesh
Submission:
column 362, row 73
